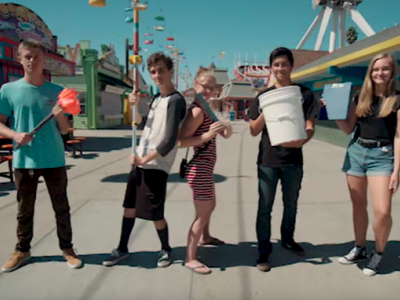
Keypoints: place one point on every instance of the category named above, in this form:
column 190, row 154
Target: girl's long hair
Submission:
column 389, row 103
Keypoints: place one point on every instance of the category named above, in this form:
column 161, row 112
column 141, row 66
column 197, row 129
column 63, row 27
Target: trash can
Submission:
column 231, row 115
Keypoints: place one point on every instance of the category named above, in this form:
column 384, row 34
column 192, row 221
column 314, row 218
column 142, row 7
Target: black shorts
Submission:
column 146, row 192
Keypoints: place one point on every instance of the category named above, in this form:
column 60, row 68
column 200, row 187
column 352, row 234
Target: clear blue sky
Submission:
column 201, row 28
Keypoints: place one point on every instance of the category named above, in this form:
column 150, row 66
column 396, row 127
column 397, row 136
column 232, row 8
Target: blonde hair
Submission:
column 204, row 72
column 389, row 103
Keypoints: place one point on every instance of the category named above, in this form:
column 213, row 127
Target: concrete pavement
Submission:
column 97, row 184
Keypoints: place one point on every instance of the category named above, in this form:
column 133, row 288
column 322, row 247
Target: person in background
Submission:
column 146, row 189
column 28, row 101
column 282, row 163
column 199, row 131
column 372, row 158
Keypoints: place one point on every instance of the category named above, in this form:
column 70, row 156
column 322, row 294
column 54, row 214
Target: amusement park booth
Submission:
column 101, row 83
column 347, row 64
column 259, row 73
column 237, row 96
column 251, row 78
column 221, row 75
column 17, row 23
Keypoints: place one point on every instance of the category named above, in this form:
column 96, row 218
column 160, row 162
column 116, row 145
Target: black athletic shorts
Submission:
column 146, row 192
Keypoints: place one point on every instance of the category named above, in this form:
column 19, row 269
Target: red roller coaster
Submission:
column 257, row 73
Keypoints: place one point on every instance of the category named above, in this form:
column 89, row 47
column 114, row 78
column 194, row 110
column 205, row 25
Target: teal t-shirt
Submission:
column 28, row 105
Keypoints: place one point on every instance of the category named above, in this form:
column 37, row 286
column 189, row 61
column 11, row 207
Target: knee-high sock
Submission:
column 127, row 226
column 163, row 235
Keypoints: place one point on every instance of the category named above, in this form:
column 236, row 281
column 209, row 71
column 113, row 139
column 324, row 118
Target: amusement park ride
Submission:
column 135, row 59
column 335, row 10
column 151, row 39
column 259, row 73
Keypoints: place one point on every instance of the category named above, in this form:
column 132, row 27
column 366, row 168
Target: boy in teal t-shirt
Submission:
column 28, row 105
column 27, row 102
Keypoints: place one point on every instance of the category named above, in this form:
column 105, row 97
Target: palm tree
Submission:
column 351, row 35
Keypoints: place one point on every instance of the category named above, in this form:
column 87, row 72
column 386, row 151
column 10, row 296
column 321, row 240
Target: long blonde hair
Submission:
column 388, row 104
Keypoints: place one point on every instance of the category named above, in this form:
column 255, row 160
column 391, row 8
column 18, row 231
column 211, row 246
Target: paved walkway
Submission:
column 97, row 184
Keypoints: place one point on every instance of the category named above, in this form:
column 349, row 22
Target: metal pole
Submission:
column 176, row 69
column 135, row 70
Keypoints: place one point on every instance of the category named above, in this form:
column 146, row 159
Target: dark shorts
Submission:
column 146, row 192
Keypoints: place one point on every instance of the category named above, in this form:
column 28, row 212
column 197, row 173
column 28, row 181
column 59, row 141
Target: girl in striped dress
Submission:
column 199, row 131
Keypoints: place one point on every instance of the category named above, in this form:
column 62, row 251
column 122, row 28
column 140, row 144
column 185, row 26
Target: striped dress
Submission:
column 199, row 174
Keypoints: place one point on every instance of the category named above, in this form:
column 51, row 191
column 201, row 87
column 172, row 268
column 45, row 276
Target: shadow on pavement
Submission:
column 7, row 186
column 106, row 144
column 244, row 254
column 117, row 178
column 174, row 177
column 87, row 155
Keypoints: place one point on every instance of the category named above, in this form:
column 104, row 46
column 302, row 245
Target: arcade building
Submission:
column 19, row 22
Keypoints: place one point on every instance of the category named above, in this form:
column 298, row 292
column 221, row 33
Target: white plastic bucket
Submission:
column 283, row 114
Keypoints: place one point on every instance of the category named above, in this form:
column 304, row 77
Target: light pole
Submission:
column 136, row 61
column 176, row 54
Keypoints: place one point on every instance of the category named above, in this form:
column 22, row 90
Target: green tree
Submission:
column 351, row 35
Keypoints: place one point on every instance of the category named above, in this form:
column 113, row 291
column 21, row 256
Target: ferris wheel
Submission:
column 335, row 11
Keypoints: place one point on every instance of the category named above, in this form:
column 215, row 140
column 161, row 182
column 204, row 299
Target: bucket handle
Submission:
column 281, row 118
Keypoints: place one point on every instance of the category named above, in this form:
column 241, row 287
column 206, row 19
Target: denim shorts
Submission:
column 361, row 161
